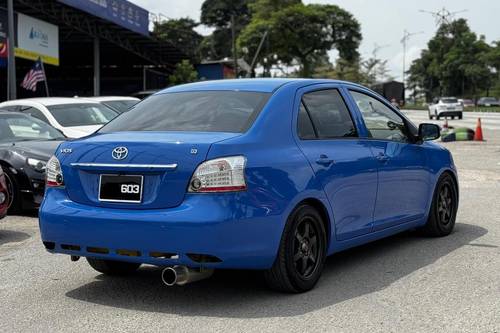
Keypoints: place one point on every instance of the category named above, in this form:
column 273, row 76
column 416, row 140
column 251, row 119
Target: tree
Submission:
column 302, row 34
column 218, row 14
column 181, row 33
column 184, row 73
column 454, row 63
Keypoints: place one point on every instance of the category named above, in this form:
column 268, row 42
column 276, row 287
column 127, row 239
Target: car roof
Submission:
column 48, row 101
column 266, row 85
column 111, row 98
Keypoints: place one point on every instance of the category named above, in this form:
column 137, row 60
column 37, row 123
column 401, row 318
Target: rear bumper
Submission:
column 220, row 226
column 449, row 113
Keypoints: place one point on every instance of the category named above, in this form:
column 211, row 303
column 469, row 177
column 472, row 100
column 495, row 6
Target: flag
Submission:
column 34, row 76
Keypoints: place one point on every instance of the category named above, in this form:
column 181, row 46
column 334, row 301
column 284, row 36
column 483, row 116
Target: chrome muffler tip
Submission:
column 181, row 275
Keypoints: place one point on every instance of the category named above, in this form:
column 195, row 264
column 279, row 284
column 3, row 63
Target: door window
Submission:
column 34, row 112
column 328, row 113
column 305, row 127
column 381, row 121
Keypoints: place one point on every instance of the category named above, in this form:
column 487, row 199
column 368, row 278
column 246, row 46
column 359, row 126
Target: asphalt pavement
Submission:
column 407, row 283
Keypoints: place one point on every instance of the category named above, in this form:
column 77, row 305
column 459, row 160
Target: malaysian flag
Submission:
column 35, row 75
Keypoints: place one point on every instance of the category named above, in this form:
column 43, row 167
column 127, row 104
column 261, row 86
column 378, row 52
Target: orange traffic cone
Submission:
column 478, row 135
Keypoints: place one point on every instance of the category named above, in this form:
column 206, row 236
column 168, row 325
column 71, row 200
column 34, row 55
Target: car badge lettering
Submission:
column 119, row 153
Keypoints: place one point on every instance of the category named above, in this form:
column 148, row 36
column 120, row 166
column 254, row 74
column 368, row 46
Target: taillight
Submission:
column 225, row 174
column 54, row 173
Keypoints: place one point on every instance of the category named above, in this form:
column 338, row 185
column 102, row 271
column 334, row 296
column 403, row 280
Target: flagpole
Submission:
column 45, row 77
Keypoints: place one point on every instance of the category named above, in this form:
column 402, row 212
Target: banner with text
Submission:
column 36, row 38
column 121, row 12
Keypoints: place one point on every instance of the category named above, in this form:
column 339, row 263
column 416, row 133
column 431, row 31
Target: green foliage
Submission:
column 455, row 63
column 184, row 73
column 181, row 33
column 301, row 33
column 366, row 72
column 217, row 14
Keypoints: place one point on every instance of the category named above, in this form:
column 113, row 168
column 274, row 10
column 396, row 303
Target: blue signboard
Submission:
column 121, row 12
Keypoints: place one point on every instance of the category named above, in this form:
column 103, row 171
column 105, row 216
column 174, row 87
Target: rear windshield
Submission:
column 207, row 111
column 121, row 105
column 449, row 100
column 69, row 115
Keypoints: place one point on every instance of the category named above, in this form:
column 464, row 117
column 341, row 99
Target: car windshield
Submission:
column 449, row 100
column 489, row 99
column 207, row 111
column 121, row 105
column 69, row 115
column 23, row 128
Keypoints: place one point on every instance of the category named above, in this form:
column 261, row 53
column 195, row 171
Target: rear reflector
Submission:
column 99, row 250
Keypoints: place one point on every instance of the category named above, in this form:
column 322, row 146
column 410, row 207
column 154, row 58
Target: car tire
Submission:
column 443, row 212
column 15, row 202
column 460, row 117
column 111, row 267
column 302, row 253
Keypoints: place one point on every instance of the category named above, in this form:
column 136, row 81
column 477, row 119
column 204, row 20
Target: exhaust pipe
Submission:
column 181, row 275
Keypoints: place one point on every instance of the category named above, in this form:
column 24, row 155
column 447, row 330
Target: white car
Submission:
column 74, row 117
column 446, row 107
column 118, row 103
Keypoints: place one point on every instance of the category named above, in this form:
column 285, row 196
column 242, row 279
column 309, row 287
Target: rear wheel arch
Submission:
column 322, row 210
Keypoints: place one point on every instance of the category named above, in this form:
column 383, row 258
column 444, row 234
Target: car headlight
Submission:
column 36, row 164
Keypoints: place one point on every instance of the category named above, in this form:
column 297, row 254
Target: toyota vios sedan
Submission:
column 262, row 174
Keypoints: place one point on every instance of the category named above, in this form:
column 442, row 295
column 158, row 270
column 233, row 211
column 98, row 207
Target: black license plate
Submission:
column 121, row 188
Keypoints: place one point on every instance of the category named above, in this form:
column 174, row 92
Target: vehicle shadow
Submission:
column 241, row 294
column 9, row 236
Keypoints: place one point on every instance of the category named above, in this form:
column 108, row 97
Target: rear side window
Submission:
column 329, row 114
column 305, row 127
column 207, row 111
column 34, row 112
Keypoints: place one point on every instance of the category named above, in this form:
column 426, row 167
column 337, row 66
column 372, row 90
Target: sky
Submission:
column 382, row 22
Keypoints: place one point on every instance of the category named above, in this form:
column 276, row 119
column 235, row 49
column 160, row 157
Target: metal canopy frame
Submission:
column 155, row 52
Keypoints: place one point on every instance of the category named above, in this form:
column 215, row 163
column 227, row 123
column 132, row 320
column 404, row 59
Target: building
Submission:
column 89, row 47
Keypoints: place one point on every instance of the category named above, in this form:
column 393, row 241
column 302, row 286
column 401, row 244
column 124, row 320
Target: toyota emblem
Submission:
column 120, row 153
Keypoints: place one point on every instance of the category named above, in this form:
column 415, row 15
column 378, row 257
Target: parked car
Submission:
column 118, row 103
column 467, row 103
column 72, row 116
column 145, row 93
column 26, row 145
column 4, row 195
column 446, row 107
column 266, row 174
column 488, row 101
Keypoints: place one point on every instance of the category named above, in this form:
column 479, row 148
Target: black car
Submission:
column 26, row 144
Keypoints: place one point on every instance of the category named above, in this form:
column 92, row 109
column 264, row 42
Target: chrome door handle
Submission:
column 382, row 157
column 324, row 160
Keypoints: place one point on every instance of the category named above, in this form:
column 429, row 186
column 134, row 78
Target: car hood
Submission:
column 39, row 149
column 76, row 132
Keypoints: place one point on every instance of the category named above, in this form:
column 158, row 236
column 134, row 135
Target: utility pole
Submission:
column 235, row 56
column 406, row 36
column 443, row 16
column 11, row 69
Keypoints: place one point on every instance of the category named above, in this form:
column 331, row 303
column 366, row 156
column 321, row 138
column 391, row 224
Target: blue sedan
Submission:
column 261, row 174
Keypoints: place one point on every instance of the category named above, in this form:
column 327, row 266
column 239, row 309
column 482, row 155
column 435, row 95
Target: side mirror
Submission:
column 428, row 132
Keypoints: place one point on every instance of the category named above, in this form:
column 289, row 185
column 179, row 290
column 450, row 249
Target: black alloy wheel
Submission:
column 444, row 208
column 302, row 252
